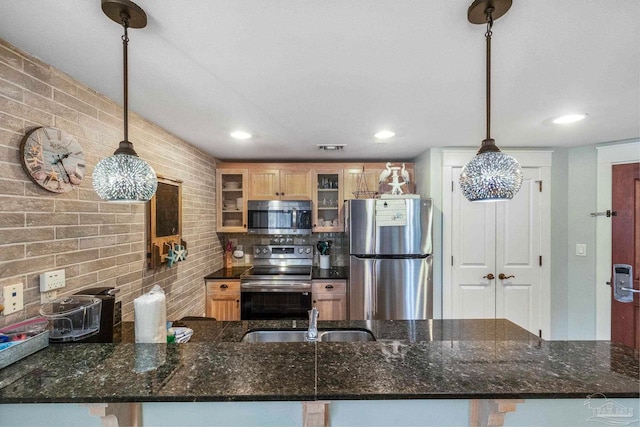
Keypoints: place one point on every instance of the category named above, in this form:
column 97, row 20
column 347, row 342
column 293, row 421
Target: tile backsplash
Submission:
column 339, row 245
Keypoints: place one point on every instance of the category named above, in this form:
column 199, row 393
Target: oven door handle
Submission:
column 274, row 287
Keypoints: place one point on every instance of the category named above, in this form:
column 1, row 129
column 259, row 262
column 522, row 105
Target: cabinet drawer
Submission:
column 223, row 287
column 329, row 287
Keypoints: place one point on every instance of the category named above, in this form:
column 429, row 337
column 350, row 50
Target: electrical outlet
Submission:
column 13, row 298
column 46, row 297
column 52, row 280
column 581, row 249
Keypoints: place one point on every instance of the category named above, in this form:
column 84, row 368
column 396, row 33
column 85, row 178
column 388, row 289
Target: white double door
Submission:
column 499, row 256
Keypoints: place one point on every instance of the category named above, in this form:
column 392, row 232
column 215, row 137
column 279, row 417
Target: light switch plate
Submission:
column 13, row 298
column 581, row 249
column 46, row 297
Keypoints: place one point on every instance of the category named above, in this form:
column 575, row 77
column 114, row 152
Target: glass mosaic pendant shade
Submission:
column 491, row 175
column 125, row 177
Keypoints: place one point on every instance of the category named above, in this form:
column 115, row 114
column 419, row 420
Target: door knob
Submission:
column 489, row 276
column 501, row 276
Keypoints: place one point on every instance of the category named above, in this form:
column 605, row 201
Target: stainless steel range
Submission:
column 278, row 286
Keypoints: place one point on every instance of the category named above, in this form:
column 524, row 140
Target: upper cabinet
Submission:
column 327, row 185
column 279, row 184
column 231, row 200
column 327, row 200
column 362, row 180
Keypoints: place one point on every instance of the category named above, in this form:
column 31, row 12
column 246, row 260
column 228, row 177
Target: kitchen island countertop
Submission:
column 431, row 359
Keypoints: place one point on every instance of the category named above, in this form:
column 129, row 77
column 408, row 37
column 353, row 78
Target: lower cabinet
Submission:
column 223, row 299
column 330, row 298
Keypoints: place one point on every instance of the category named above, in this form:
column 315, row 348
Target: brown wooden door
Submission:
column 625, row 249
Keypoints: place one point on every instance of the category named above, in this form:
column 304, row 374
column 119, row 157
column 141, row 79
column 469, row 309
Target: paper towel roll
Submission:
column 150, row 317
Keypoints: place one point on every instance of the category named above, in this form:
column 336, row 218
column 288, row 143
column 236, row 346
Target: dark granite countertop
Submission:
column 439, row 359
column 228, row 273
column 330, row 273
column 317, row 273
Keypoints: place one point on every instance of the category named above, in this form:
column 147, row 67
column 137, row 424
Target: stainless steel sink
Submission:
column 299, row 335
column 346, row 335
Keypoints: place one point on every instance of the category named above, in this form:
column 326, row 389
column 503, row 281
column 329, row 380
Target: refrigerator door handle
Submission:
column 375, row 289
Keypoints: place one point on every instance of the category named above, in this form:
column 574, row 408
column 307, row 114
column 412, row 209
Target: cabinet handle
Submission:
column 277, row 194
column 224, row 286
column 329, row 287
column 501, row 276
column 314, row 301
column 489, row 276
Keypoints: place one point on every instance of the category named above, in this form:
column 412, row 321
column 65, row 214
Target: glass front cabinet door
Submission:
column 327, row 201
column 231, row 200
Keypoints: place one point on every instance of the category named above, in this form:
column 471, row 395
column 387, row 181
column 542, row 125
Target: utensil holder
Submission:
column 325, row 262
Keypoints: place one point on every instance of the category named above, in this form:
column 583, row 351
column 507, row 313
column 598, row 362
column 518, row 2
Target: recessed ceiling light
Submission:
column 569, row 118
column 384, row 134
column 239, row 134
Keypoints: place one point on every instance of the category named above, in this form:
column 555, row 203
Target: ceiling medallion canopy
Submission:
column 125, row 177
column 491, row 175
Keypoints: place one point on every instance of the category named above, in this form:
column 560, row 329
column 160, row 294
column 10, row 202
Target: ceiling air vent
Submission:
column 332, row 147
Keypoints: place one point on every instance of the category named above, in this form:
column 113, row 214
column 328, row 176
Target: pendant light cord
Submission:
column 488, row 144
column 125, row 44
column 125, row 147
column 487, row 36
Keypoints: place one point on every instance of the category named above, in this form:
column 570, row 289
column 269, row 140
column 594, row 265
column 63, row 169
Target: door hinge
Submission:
column 539, row 333
column 539, row 186
column 452, row 186
column 452, row 260
column 540, row 260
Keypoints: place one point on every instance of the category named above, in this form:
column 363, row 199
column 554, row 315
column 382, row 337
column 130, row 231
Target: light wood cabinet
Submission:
column 327, row 201
column 279, row 184
column 223, row 299
column 330, row 298
column 291, row 181
column 353, row 174
column 231, row 185
column 369, row 173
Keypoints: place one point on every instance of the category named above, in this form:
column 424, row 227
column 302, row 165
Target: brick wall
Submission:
column 96, row 243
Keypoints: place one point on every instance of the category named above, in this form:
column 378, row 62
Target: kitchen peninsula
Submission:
column 448, row 360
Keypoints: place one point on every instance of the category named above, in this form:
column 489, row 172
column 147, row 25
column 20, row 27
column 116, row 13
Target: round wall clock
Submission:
column 53, row 159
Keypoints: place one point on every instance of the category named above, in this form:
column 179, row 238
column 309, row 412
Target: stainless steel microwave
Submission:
column 279, row 217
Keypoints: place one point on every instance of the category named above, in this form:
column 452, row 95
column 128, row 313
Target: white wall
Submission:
column 342, row 413
column 428, row 176
column 574, row 175
column 581, row 191
column 559, row 247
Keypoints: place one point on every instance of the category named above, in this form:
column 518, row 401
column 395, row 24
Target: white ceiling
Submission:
column 297, row 73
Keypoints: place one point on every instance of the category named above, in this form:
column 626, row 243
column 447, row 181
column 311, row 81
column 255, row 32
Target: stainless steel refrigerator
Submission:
column 390, row 266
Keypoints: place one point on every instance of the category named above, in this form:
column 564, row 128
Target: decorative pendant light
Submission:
column 125, row 177
column 491, row 175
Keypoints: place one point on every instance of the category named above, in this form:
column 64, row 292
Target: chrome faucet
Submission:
column 312, row 333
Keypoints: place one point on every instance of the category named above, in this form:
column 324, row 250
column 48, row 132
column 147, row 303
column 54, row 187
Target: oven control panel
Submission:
column 283, row 252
